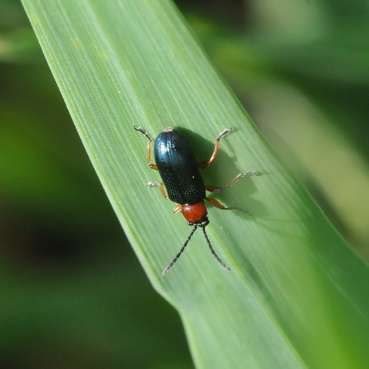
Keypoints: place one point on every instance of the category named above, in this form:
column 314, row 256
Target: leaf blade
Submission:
column 135, row 61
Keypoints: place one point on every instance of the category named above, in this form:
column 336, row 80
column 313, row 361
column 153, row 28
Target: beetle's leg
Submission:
column 207, row 163
column 217, row 203
column 161, row 186
column 143, row 131
column 234, row 181
column 151, row 164
column 214, row 188
column 177, row 209
column 163, row 190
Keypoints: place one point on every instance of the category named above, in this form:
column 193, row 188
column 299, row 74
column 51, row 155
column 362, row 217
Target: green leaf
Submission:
column 297, row 297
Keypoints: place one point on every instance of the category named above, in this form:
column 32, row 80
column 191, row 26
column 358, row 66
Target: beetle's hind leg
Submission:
column 161, row 186
column 143, row 131
column 234, row 180
column 207, row 163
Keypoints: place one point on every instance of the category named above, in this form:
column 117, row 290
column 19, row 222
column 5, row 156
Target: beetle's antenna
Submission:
column 221, row 262
column 170, row 265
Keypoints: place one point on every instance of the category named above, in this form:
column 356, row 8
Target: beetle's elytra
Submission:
column 182, row 181
column 178, row 168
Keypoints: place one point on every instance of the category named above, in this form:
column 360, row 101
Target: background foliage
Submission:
column 62, row 251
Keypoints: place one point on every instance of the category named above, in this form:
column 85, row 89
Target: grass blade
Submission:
column 297, row 297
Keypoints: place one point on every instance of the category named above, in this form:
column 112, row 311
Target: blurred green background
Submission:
column 72, row 292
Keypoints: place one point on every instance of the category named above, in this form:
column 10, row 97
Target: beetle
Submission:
column 182, row 181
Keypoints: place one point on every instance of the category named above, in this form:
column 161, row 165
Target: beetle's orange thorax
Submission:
column 195, row 213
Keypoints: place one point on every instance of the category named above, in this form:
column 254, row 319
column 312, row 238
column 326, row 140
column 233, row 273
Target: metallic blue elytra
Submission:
column 182, row 181
column 178, row 168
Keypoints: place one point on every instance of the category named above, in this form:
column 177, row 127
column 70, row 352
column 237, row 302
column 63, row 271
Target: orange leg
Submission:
column 207, row 163
column 143, row 131
column 217, row 203
column 177, row 209
column 151, row 164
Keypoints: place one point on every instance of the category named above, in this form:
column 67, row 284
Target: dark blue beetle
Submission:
column 182, row 181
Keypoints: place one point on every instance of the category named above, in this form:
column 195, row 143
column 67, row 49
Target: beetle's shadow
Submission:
column 222, row 171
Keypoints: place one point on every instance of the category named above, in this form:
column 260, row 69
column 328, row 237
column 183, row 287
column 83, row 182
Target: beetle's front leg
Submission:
column 143, row 131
